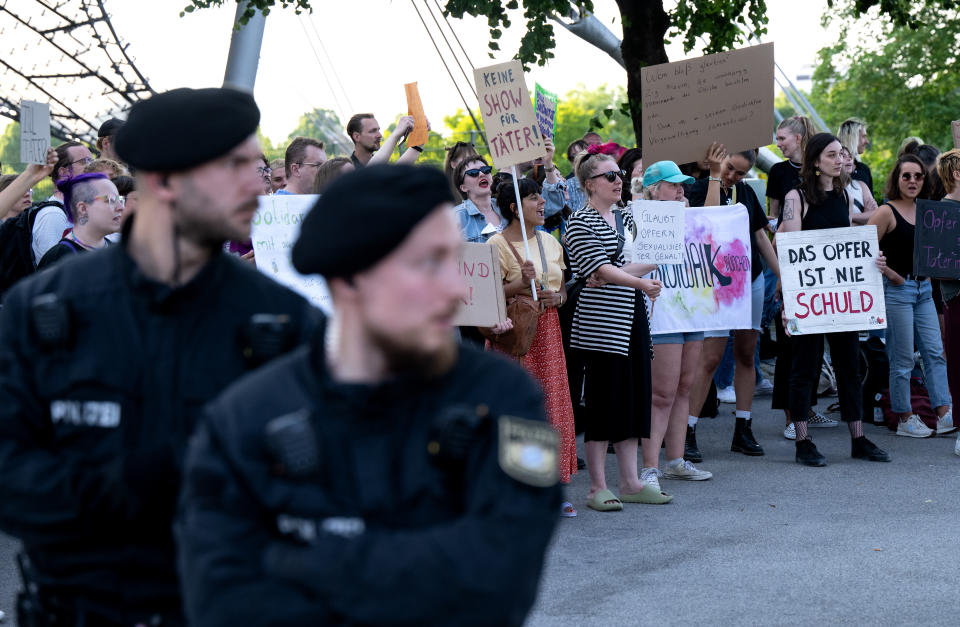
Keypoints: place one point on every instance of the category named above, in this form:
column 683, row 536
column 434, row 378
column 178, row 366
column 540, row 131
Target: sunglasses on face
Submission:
column 474, row 172
column 916, row 176
column 610, row 176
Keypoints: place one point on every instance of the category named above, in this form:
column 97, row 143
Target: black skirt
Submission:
column 617, row 390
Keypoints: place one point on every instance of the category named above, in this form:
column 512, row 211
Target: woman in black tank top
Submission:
column 820, row 203
column 909, row 301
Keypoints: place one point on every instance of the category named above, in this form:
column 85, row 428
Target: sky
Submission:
column 368, row 49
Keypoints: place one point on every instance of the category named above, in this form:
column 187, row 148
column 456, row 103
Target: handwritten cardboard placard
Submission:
column 830, row 280
column 419, row 135
column 545, row 106
column 936, row 244
column 955, row 128
column 725, row 97
column 485, row 304
column 508, row 118
column 34, row 131
column 274, row 230
column 660, row 229
column 710, row 289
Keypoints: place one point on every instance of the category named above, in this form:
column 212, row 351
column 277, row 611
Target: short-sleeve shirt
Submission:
column 743, row 194
column 553, row 278
column 783, row 177
column 604, row 315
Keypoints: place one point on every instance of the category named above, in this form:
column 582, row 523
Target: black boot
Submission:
column 690, row 451
column 743, row 440
column 808, row 455
column 862, row 448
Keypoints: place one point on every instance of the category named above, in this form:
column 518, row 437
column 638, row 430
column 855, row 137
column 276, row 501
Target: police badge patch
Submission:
column 528, row 451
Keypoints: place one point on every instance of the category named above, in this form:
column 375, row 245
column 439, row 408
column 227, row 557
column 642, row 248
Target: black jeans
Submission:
column 805, row 371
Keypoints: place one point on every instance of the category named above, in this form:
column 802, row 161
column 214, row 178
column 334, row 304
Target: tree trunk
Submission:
column 645, row 25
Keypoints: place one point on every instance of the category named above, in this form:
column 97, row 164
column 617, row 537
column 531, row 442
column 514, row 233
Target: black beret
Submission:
column 183, row 128
column 110, row 127
column 363, row 216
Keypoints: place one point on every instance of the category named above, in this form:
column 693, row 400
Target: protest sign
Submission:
column 545, row 105
column 831, row 281
column 511, row 126
column 419, row 135
column 955, row 127
column 725, row 97
column 484, row 305
column 274, row 231
column 34, row 131
column 710, row 290
column 936, row 244
column 660, row 229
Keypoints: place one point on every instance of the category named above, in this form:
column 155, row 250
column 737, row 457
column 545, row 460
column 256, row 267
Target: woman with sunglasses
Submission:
column 820, row 202
column 455, row 156
column 545, row 359
column 478, row 214
column 611, row 333
column 95, row 209
column 910, row 310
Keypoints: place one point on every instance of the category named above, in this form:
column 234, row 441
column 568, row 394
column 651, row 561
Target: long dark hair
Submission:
column 506, row 196
column 892, row 189
column 809, row 173
column 626, row 163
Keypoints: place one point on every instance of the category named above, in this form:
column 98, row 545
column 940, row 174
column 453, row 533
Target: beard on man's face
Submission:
column 405, row 357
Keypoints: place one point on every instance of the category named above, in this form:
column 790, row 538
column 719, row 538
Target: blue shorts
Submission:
column 677, row 338
column 756, row 302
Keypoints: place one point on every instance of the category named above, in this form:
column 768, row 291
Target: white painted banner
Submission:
column 660, row 228
column 274, row 231
column 831, row 281
column 710, row 290
column 484, row 305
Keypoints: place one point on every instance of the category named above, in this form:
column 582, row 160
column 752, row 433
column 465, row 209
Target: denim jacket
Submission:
column 472, row 221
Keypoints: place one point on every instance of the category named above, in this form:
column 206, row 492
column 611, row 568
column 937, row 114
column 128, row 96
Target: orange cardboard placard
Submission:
column 418, row 136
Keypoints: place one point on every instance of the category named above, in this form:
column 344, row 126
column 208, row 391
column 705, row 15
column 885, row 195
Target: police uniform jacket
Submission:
column 412, row 502
column 103, row 374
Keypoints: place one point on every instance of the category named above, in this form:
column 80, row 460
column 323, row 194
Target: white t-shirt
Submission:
column 48, row 228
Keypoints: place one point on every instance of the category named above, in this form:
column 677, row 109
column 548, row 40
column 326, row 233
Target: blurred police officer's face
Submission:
column 216, row 201
column 407, row 302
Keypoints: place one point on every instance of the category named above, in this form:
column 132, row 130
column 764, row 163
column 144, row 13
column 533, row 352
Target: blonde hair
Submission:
column 650, row 190
column 586, row 165
column 948, row 163
column 799, row 125
column 107, row 166
column 849, row 135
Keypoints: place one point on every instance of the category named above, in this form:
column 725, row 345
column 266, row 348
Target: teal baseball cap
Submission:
column 665, row 171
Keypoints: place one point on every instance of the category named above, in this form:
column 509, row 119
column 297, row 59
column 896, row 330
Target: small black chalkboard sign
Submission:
column 936, row 244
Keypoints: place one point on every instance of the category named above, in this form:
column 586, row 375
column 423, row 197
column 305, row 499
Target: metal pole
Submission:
column 244, row 57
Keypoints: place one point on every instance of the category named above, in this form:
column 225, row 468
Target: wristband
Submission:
column 714, row 178
column 420, row 149
column 549, row 169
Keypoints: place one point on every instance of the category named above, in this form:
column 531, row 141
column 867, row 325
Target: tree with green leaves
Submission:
column 899, row 77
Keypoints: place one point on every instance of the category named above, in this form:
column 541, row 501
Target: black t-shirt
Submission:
column 862, row 173
column 783, row 177
column 744, row 195
column 64, row 248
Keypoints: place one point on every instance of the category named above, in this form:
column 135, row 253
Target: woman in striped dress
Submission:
column 611, row 331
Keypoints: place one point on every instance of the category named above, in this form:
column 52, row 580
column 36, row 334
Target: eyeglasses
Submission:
column 474, row 172
column 264, row 171
column 916, row 176
column 84, row 161
column 610, row 176
column 113, row 201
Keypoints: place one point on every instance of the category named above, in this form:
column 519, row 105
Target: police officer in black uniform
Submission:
column 106, row 361
column 381, row 475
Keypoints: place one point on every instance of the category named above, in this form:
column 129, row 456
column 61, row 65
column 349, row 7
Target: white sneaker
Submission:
column 945, row 423
column 727, row 395
column 913, row 427
column 764, row 388
column 820, row 421
column 790, row 432
column 685, row 470
column 651, row 476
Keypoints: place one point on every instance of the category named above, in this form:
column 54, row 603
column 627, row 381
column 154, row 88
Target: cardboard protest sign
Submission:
column 34, row 131
column 511, row 126
column 830, row 280
column 660, row 231
column 725, row 97
column 955, row 127
column 418, row 136
column 545, row 105
column 274, row 231
column 710, row 290
column 485, row 304
column 936, row 243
